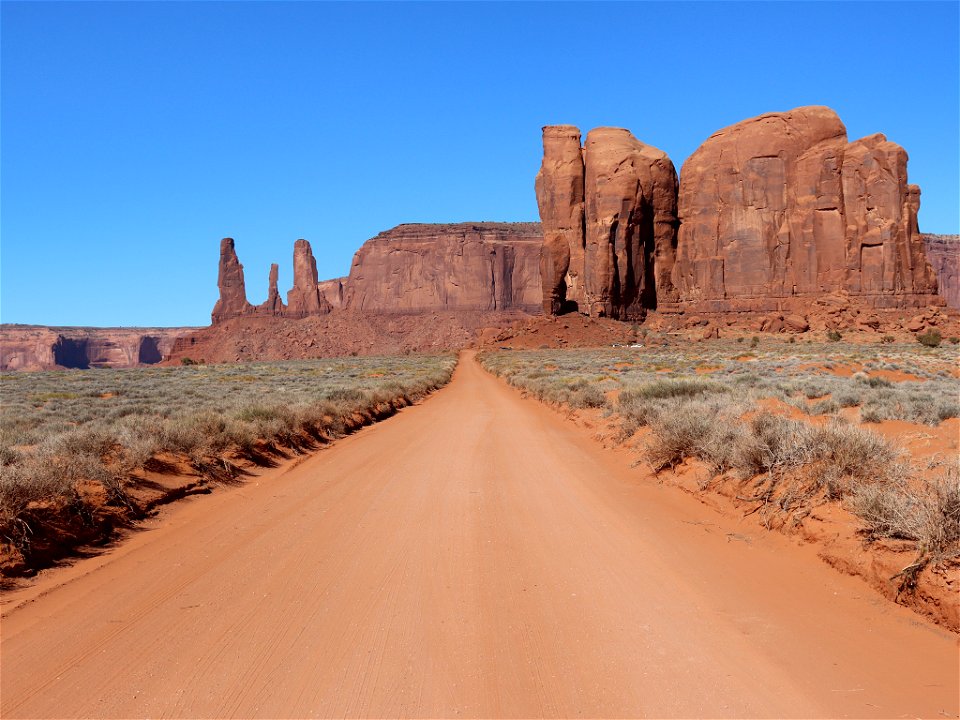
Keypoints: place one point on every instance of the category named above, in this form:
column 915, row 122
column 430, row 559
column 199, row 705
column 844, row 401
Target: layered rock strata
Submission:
column 608, row 212
column 780, row 208
column 466, row 266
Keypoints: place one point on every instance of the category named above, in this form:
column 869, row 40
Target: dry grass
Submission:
column 704, row 405
column 59, row 430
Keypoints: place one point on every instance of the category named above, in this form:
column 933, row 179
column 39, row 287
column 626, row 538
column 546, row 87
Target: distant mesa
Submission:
column 413, row 268
column 35, row 347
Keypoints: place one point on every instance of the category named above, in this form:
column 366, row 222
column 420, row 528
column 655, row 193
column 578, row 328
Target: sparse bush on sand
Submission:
column 927, row 513
column 930, row 338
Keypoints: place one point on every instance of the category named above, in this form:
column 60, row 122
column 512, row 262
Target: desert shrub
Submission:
column 772, row 442
column 913, row 405
column 873, row 382
column 702, row 429
column 824, row 407
column 834, row 336
column 926, row 513
column 954, row 340
column 187, row 361
column 887, row 339
column 666, row 388
column 754, row 341
column 8, row 456
column 815, row 389
column 847, row 451
column 345, row 395
column 847, row 397
column 930, row 338
column 590, row 396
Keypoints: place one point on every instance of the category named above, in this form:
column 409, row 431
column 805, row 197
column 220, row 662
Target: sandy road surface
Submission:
column 473, row 556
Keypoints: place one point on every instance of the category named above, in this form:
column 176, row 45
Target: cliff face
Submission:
column 559, row 188
column 769, row 214
column 779, row 208
column 466, row 266
column 609, row 222
column 33, row 347
column 943, row 251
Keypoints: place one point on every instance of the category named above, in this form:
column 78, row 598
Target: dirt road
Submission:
column 475, row 555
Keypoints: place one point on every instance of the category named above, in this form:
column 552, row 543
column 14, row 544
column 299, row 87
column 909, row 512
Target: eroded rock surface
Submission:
column 559, row 188
column 780, row 207
column 609, row 222
column 332, row 291
column 943, row 251
column 464, row 266
column 233, row 292
column 631, row 214
column 304, row 298
column 273, row 305
column 37, row 347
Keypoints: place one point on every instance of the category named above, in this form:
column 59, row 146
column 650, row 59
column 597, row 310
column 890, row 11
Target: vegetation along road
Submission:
column 475, row 555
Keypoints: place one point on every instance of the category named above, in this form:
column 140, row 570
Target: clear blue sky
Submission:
column 136, row 135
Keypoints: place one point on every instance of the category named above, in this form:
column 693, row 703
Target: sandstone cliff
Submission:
column 466, row 266
column 780, row 208
column 769, row 215
column 609, row 222
column 36, row 347
column 559, row 188
column 943, row 252
column 332, row 291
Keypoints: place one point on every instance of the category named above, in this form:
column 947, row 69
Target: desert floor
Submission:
column 475, row 555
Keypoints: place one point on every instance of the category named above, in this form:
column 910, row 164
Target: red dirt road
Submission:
column 473, row 556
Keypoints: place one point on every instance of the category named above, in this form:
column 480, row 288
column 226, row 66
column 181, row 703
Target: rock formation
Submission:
column 609, row 222
column 631, row 214
column 273, row 305
column 943, row 251
column 780, row 208
column 332, row 290
column 233, row 292
column 34, row 347
column 467, row 266
column 559, row 188
column 304, row 297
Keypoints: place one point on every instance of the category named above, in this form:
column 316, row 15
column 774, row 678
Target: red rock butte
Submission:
column 768, row 214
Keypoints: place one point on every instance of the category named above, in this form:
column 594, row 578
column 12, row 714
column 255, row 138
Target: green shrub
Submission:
column 931, row 338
